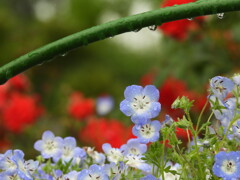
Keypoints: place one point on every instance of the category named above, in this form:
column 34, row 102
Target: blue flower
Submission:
column 13, row 164
column 133, row 146
column 236, row 79
column 73, row 175
column 221, row 86
column 227, row 165
column 115, row 170
column 149, row 177
column 223, row 110
column 136, row 161
column 168, row 121
column 104, row 105
column 49, row 146
column 141, row 103
column 148, row 132
column 94, row 172
column 98, row 158
column 7, row 162
column 69, row 151
column 113, row 154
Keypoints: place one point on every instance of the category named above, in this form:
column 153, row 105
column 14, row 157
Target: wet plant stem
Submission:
column 113, row 28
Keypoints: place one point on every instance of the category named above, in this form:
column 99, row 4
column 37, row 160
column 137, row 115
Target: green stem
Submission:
column 113, row 28
column 200, row 116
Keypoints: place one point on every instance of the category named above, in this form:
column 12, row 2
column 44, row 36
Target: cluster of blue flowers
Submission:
column 225, row 105
column 62, row 159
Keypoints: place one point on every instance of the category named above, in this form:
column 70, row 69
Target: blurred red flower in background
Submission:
column 171, row 89
column 179, row 29
column 17, row 110
column 80, row 107
column 20, row 111
column 100, row 131
column 19, row 82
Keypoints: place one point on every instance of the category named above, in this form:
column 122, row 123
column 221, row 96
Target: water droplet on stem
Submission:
column 220, row 15
column 136, row 30
column 190, row 19
column 152, row 28
column 64, row 54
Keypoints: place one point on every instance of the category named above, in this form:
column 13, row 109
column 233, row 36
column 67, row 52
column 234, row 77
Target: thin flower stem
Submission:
column 113, row 28
column 200, row 116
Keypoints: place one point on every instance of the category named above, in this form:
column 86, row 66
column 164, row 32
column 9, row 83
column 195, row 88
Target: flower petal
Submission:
column 152, row 92
column 131, row 91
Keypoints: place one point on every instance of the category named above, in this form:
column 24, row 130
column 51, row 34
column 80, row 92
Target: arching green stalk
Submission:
column 113, row 28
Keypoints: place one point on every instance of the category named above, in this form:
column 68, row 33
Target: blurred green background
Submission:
column 108, row 66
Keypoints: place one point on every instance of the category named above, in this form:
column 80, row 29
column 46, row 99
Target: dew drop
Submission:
column 136, row 30
column 190, row 19
column 32, row 54
column 64, row 54
column 40, row 64
column 152, row 28
column 220, row 15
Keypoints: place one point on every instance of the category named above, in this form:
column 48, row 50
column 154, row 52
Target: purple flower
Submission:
column 141, row 103
column 148, row 132
column 49, row 146
column 221, row 86
column 94, row 172
column 133, row 146
column 227, row 165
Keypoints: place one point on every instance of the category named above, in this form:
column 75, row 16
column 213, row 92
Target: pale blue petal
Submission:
column 132, row 91
column 125, row 107
column 151, row 92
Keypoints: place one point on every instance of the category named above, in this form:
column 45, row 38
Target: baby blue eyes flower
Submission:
column 94, row 172
column 104, row 105
column 227, row 165
column 221, row 86
column 133, row 146
column 13, row 165
column 113, row 154
column 236, row 79
column 141, row 103
column 148, row 132
column 136, row 161
column 149, row 177
column 49, row 146
column 69, row 151
column 8, row 162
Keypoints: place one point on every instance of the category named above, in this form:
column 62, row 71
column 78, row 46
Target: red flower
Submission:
column 148, row 78
column 20, row 111
column 19, row 82
column 80, row 107
column 4, row 145
column 171, row 89
column 3, row 95
column 183, row 134
column 180, row 28
column 99, row 131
